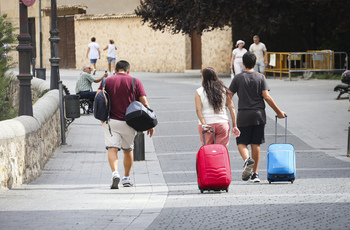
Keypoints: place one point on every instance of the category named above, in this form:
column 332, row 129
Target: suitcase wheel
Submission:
column 226, row 190
column 292, row 181
column 202, row 190
column 270, row 181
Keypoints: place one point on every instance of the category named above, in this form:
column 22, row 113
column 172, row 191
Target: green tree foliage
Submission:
column 7, row 39
column 6, row 111
column 283, row 25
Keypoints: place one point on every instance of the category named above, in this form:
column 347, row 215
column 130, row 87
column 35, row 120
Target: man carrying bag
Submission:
column 120, row 90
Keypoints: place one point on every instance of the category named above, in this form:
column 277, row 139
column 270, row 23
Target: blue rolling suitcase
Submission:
column 281, row 160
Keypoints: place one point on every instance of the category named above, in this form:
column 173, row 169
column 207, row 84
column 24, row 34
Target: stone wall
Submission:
column 145, row 49
column 27, row 143
column 217, row 50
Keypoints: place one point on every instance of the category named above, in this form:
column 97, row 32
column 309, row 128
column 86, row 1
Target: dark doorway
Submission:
column 66, row 46
column 196, row 48
column 31, row 27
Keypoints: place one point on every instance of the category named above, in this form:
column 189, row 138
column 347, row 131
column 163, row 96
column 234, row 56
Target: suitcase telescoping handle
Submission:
column 285, row 128
column 206, row 131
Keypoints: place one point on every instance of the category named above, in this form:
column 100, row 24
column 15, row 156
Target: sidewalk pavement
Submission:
column 73, row 190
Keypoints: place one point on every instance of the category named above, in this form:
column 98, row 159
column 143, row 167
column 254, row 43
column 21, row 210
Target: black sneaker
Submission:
column 247, row 168
column 255, row 178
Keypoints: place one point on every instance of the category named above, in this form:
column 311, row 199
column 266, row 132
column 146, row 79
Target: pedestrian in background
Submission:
column 259, row 49
column 252, row 89
column 237, row 55
column 83, row 86
column 111, row 55
column 119, row 89
column 212, row 99
column 93, row 53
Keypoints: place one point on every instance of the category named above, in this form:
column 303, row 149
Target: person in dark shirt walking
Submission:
column 252, row 89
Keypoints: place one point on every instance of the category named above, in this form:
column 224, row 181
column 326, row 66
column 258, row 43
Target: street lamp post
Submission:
column 24, row 53
column 54, row 39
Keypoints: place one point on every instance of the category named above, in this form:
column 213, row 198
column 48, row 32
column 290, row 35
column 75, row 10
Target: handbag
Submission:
column 232, row 74
column 138, row 116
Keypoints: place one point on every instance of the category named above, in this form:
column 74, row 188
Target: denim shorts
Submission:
column 93, row 61
column 259, row 67
column 110, row 60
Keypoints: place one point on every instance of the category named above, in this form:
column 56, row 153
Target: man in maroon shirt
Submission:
column 119, row 88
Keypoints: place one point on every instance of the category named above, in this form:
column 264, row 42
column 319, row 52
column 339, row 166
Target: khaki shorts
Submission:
column 123, row 135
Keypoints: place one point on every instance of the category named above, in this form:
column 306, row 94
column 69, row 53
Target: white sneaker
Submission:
column 115, row 180
column 94, row 72
column 127, row 182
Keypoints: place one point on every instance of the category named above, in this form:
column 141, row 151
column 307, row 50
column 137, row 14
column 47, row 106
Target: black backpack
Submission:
column 102, row 105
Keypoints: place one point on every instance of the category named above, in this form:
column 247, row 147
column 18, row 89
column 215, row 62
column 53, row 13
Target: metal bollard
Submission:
column 63, row 120
column 139, row 147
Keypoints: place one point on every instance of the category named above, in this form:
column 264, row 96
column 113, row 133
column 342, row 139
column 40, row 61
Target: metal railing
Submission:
column 321, row 61
column 311, row 61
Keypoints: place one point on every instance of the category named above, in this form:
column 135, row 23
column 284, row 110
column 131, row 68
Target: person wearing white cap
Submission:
column 237, row 55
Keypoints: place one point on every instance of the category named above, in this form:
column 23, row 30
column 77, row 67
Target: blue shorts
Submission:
column 93, row 61
column 253, row 134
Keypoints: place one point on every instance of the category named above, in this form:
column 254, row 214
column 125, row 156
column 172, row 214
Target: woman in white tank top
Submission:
column 111, row 55
column 212, row 99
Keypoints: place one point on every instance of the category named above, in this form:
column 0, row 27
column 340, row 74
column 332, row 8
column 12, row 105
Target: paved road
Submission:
column 73, row 193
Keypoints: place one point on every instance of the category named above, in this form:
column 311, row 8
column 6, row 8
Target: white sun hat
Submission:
column 239, row 42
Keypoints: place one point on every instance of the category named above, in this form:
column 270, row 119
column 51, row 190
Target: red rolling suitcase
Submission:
column 213, row 166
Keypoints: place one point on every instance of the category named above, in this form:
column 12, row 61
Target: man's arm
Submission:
column 272, row 104
column 144, row 101
column 101, row 78
column 265, row 54
column 99, row 53
column 105, row 48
